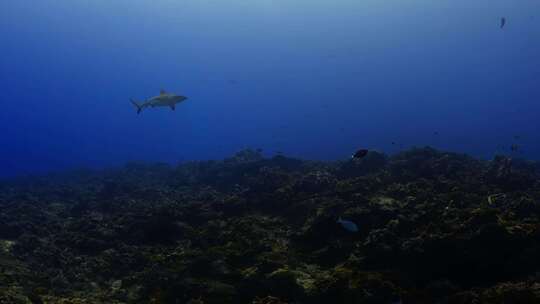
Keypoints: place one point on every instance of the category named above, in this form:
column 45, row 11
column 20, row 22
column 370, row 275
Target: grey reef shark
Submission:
column 164, row 99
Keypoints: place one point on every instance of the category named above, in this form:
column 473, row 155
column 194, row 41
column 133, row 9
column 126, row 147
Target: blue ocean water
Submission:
column 312, row 79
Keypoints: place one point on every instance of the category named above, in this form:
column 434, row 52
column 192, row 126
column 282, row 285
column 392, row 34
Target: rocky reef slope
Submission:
column 433, row 227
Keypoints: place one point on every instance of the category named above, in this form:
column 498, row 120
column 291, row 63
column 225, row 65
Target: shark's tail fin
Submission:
column 138, row 106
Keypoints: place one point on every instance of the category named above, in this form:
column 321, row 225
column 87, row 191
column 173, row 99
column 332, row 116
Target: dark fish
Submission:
column 514, row 148
column 503, row 22
column 360, row 154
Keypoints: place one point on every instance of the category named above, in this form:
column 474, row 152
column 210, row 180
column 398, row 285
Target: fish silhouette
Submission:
column 360, row 154
column 164, row 99
column 347, row 225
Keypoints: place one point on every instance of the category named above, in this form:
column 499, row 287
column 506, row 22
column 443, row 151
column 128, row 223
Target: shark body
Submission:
column 164, row 99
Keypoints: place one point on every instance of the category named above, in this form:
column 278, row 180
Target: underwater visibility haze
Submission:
column 270, row 151
column 313, row 79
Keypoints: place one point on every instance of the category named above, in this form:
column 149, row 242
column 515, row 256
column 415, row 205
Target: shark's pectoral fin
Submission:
column 173, row 107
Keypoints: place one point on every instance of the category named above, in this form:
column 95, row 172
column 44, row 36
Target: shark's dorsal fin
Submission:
column 162, row 92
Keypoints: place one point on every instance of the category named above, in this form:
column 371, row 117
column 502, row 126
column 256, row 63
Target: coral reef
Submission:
column 433, row 227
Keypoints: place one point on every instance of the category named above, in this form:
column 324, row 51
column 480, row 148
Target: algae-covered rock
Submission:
column 511, row 174
column 284, row 282
column 13, row 295
column 430, row 227
column 512, row 293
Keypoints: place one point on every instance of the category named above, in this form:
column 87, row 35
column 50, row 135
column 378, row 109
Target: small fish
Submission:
column 503, row 22
column 348, row 225
column 360, row 154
